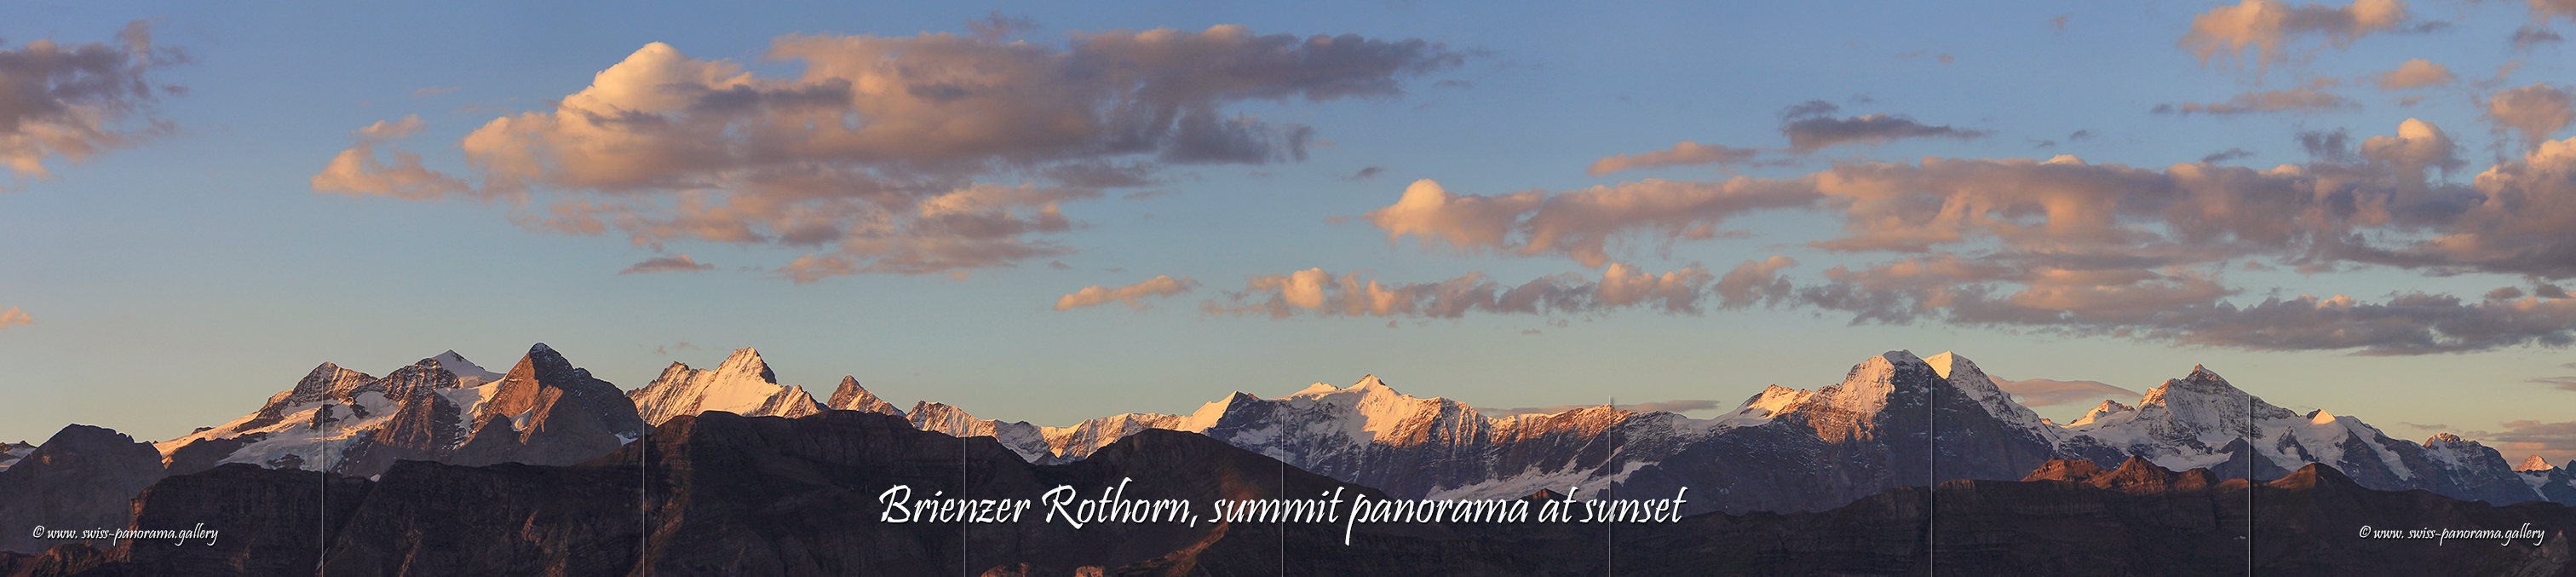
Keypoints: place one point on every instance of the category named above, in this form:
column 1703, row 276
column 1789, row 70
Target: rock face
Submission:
column 444, row 408
column 743, row 385
column 10, row 453
column 81, row 478
column 720, row 494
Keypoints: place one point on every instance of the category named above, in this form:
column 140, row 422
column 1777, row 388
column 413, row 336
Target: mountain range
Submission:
column 720, row 494
column 1895, row 420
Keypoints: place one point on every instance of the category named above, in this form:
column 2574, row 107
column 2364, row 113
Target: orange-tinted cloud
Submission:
column 924, row 154
column 1161, row 286
column 2416, row 73
column 358, row 172
column 2269, row 26
column 1684, row 153
column 2045, row 392
column 2536, row 111
column 13, row 316
column 2064, row 246
column 1315, row 292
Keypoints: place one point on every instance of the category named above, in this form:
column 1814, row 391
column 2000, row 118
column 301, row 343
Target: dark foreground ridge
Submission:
column 731, row 495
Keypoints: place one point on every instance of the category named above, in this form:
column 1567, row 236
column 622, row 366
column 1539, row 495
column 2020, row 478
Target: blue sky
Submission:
column 204, row 256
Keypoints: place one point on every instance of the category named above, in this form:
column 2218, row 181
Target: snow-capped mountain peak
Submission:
column 1964, row 375
column 2534, row 463
column 742, row 385
column 467, row 373
column 2107, row 408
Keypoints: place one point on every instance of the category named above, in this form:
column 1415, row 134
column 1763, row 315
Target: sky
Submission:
column 1049, row 213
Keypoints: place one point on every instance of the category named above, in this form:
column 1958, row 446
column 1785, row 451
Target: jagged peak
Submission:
column 2203, row 386
column 849, row 396
column 2535, row 463
column 2446, row 439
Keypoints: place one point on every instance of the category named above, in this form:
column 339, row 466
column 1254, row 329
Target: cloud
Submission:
column 1684, row 153
column 2226, row 155
column 2296, row 100
column 1808, row 134
column 926, row 154
column 2045, row 392
column 2555, row 442
column 13, row 316
column 2067, row 247
column 2542, row 11
column 1368, row 173
column 665, row 350
column 357, row 171
column 2268, row 26
column 997, row 26
column 2417, row 147
column 2416, row 73
column 1672, row 406
column 679, row 263
column 2526, row 37
column 79, row 100
column 2537, row 111
column 1321, row 294
column 1755, row 282
column 1158, row 287
column 1580, row 224
column 2562, row 383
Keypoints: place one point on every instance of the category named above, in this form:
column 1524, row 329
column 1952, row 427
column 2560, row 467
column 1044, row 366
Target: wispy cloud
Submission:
column 2291, row 100
column 2562, row 383
column 14, row 316
column 2045, row 392
column 674, row 263
column 1317, row 293
column 1684, row 153
column 1134, row 295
